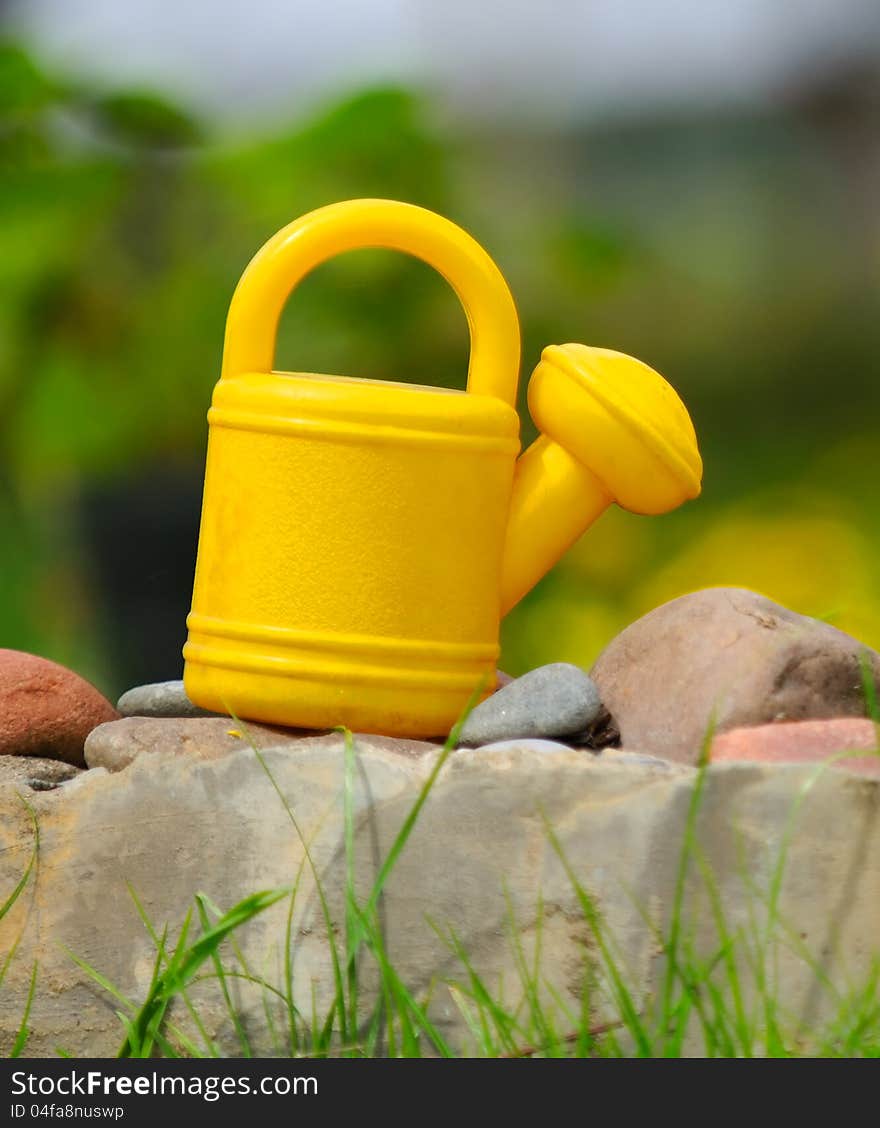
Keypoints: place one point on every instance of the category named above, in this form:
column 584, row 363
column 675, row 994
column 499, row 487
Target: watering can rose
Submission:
column 361, row 540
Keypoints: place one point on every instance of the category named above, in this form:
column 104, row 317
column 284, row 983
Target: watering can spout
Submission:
column 612, row 430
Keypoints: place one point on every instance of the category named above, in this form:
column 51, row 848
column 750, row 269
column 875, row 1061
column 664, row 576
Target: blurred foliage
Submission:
column 737, row 256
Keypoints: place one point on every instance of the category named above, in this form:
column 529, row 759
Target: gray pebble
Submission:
column 552, row 701
column 533, row 744
column 161, row 699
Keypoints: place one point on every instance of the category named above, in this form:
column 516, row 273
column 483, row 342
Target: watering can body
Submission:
column 361, row 540
column 349, row 553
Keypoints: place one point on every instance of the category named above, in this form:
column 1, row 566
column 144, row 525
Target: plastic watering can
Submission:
column 361, row 540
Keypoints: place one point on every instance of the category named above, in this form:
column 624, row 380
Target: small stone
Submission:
column 551, row 701
column 726, row 657
column 161, row 699
column 802, row 742
column 545, row 747
column 116, row 745
column 46, row 710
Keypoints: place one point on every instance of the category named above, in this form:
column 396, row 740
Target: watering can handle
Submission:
column 296, row 249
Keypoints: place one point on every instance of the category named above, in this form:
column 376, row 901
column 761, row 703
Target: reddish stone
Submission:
column 801, row 742
column 731, row 657
column 45, row 709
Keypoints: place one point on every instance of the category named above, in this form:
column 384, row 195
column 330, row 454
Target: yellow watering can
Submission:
column 361, row 540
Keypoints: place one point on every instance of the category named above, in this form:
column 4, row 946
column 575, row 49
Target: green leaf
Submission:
column 145, row 120
column 22, row 85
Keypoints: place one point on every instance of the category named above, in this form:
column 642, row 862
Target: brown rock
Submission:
column 731, row 653
column 115, row 745
column 798, row 742
column 45, row 709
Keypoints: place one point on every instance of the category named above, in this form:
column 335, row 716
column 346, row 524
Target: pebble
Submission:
column 552, row 701
column 549, row 747
column 116, row 745
column 617, row 756
column 46, row 710
column 160, row 699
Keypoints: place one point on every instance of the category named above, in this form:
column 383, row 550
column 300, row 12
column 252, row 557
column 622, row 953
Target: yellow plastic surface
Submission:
column 361, row 539
column 612, row 430
column 352, row 530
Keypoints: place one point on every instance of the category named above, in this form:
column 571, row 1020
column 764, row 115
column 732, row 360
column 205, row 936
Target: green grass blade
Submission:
column 338, row 1008
column 869, row 688
column 496, row 1017
column 409, row 822
column 209, row 941
column 351, row 918
column 10, row 955
column 412, row 1011
column 98, row 978
column 673, row 1041
column 23, row 880
column 23, row 1031
column 628, row 1010
column 159, row 943
column 142, row 1030
column 405, row 831
column 202, row 903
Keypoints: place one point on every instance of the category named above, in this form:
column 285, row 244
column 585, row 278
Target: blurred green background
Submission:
column 735, row 249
